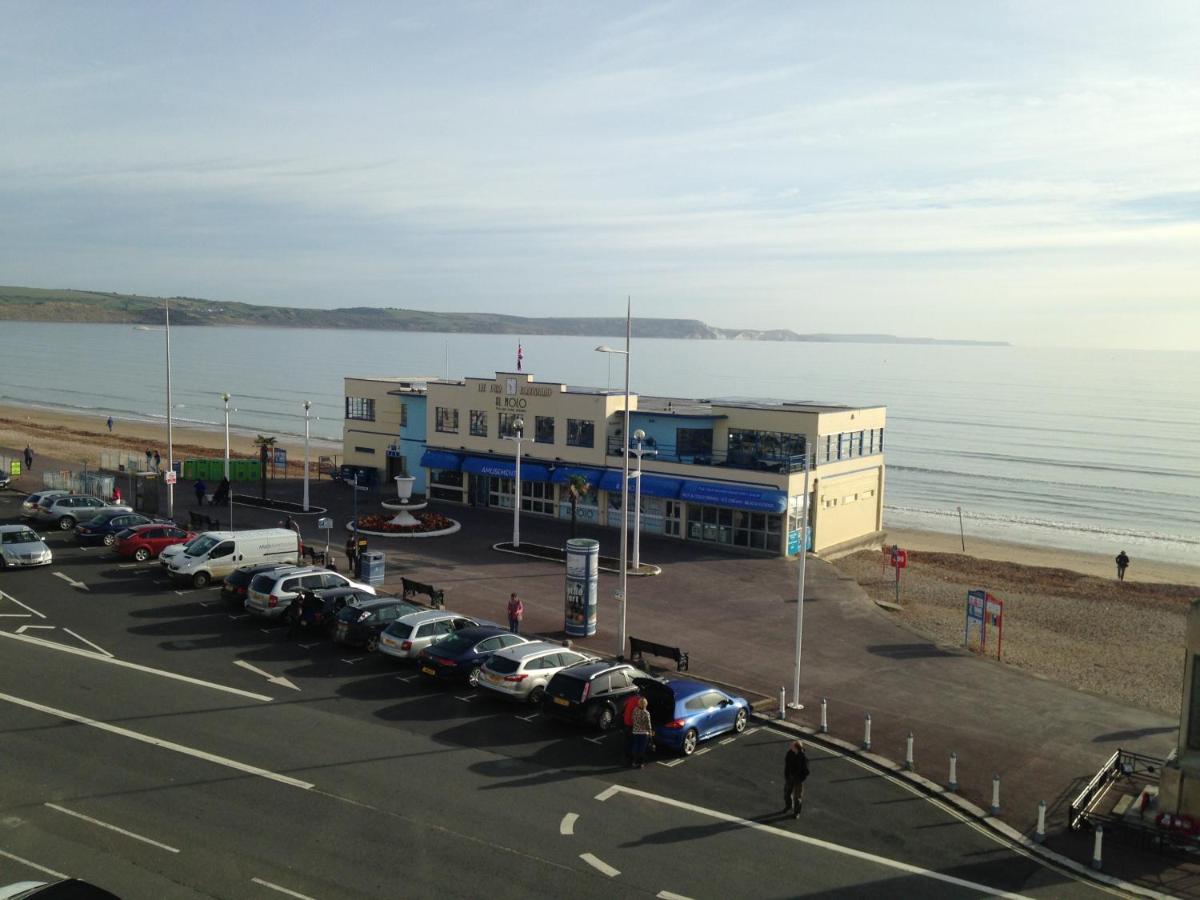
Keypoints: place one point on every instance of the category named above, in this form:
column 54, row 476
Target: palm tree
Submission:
column 577, row 488
column 266, row 444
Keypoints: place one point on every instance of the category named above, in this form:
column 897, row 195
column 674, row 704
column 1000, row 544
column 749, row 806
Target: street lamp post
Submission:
column 225, row 397
column 796, row 704
column 307, row 406
column 639, row 437
column 622, row 598
column 519, row 427
column 170, row 433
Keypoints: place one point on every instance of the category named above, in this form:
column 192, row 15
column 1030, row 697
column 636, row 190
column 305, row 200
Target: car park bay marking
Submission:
column 530, row 717
column 136, row 837
column 466, row 698
column 701, row 751
column 88, row 654
column 811, row 841
column 33, row 865
column 71, row 581
column 281, row 890
column 667, row 895
column 407, row 677
column 158, row 742
column 596, row 740
column 567, row 825
column 96, row 647
column 672, row 763
column 4, row 596
column 239, row 616
column 728, row 740
column 25, row 628
column 600, row 865
column 274, row 679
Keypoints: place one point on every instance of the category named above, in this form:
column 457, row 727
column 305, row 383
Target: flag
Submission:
column 520, row 356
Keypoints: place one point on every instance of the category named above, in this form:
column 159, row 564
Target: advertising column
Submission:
column 583, row 557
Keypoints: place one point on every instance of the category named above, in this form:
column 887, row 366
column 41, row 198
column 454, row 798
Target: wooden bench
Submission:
column 638, row 649
column 315, row 557
column 436, row 597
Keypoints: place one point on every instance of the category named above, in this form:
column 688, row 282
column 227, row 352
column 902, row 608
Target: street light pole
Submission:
column 639, row 437
column 519, row 426
column 229, row 491
column 796, row 704
column 307, row 406
column 170, row 433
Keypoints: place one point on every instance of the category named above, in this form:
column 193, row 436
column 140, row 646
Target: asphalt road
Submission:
column 138, row 754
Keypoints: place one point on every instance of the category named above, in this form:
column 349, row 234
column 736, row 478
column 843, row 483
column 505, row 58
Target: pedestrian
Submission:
column 117, row 495
column 627, row 712
column 201, row 489
column 110, row 424
column 28, row 457
column 516, row 612
column 149, row 459
column 351, row 553
column 1122, row 565
column 222, row 493
column 642, row 730
column 795, row 771
column 157, row 462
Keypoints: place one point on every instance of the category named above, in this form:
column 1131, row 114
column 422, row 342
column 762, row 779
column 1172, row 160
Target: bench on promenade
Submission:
column 201, row 522
column 436, row 597
column 638, row 649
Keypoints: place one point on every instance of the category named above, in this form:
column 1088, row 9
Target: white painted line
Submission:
column 818, row 842
column 158, row 742
column 567, row 825
column 79, row 637
column 25, row 628
column 88, row 654
column 181, row 593
column 308, row 646
column 274, row 679
column 750, row 731
column 71, row 581
column 265, row 630
column 466, row 698
column 728, row 741
column 407, row 678
column 349, row 662
column 33, row 865
column 14, row 615
column 130, row 834
column 127, row 565
column 667, row 895
column 239, row 616
column 206, row 603
column 610, row 791
column 529, row 718
column 595, row 740
column 701, row 751
column 673, row 763
column 20, row 604
column 599, row 864
column 281, row 890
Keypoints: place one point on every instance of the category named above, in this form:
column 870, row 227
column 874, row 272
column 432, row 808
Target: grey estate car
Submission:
column 68, row 510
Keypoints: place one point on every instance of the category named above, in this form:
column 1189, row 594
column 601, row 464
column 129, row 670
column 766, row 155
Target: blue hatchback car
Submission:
column 686, row 712
column 460, row 656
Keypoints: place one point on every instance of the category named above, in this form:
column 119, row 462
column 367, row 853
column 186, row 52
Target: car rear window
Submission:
column 564, row 685
column 263, row 582
column 400, row 630
column 238, row 578
column 456, row 643
column 503, row 665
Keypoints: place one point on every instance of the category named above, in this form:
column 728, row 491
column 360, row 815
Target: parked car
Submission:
column 271, row 593
column 593, row 692
column 522, row 672
column 320, row 608
column 685, row 712
column 143, row 542
column 30, row 504
column 5, row 480
column 461, row 656
column 362, row 622
column 66, row 889
column 216, row 554
column 21, row 546
column 237, row 582
column 409, row 635
column 67, row 510
column 168, row 554
column 104, row 528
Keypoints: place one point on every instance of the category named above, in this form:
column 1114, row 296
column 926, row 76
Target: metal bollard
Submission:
column 953, row 785
column 782, row 702
column 1040, row 834
column 995, row 795
column 1096, row 858
column 867, row 732
column 824, row 716
column 908, row 753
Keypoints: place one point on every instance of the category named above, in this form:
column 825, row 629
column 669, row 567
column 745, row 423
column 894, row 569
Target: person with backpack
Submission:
column 795, row 772
column 1122, row 565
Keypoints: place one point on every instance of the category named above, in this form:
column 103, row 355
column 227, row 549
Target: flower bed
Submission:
column 428, row 522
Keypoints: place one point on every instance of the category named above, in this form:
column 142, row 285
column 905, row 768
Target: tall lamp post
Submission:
column 622, row 593
column 225, row 397
column 307, row 406
column 519, row 428
column 796, row 704
column 639, row 437
column 170, row 433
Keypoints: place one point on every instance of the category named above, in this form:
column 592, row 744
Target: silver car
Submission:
column 71, row 509
column 271, row 593
column 29, row 505
column 21, row 546
column 409, row 635
column 520, row 673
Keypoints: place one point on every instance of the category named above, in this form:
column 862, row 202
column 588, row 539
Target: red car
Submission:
column 147, row 541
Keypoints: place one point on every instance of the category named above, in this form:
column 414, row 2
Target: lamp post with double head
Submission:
column 170, row 427
column 518, row 435
column 638, row 449
column 809, row 458
column 225, row 397
column 307, row 407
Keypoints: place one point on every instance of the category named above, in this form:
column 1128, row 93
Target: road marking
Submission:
column 281, row 890
column 530, row 717
column 20, row 604
column 727, row 741
column 25, row 628
column 181, row 593
column 608, row 792
column 71, row 581
column 667, row 895
column 406, row 678
column 205, row 603
column 33, row 865
column 88, row 654
column 817, row 842
column 265, row 630
column 673, row 763
column 274, row 679
column 136, row 837
column 308, row 646
column 750, row 731
column 596, row 740
column 239, row 616
column 78, row 637
column 567, row 825
column 467, row 698
column 349, row 662
column 701, row 751
column 159, row 742
column 14, row 615
column 599, row 864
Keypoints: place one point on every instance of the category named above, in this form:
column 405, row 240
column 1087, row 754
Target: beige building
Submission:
column 729, row 473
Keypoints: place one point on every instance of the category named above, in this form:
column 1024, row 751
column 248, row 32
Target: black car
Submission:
column 237, row 582
column 460, row 656
column 593, row 693
column 361, row 621
column 104, row 528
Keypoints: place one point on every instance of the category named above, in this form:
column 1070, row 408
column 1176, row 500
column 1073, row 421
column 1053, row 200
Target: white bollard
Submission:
column 995, row 795
column 1040, row 834
column 867, row 732
column 824, row 716
column 908, row 753
column 782, row 702
column 953, row 785
column 1096, row 858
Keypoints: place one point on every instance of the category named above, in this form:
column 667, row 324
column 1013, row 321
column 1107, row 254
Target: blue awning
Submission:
column 652, row 485
column 505, row 468
column 441, row 459
column 736, row 496
column 562, row 473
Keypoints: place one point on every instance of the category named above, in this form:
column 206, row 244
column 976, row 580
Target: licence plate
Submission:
column 494, row 679
column 427, row 670
column 562, row 701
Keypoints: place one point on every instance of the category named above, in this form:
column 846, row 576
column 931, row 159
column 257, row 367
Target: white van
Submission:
column 215, row 554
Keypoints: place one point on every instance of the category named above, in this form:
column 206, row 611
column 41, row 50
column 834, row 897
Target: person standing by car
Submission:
column 642, row 730
column 28, row 458
column 116, row 495
column 627, row 712
column 516, row 612
column 201, row 489
column 795, row 772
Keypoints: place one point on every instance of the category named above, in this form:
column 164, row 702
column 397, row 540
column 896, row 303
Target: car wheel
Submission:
column 141, row 554
column 607, row 716
column 373, row 645
column 473, row 676
column 536, row 695
column 690, row 740
column 66, row 523
column 739, row 723
column 200, row 580
column 109, row 540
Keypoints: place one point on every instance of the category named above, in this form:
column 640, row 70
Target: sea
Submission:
column 1093, row 450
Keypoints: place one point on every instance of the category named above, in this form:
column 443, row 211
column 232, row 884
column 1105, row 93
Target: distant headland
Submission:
column 47, row 305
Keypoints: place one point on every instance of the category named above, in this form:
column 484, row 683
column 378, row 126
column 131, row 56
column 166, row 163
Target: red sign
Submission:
column 899, row 558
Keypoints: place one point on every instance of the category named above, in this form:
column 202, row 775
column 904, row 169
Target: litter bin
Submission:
column 370, row 567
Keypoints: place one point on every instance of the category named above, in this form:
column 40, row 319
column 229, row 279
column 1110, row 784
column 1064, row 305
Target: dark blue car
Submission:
column 686, row 712
column 104, row 528
column 460, row 656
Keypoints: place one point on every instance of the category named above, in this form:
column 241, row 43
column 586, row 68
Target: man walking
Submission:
column 28, row 458
column 516, row 612
column 1122, row 565
column 795, row 771
column 352, row 553
column 201, row 489
column 110, row 424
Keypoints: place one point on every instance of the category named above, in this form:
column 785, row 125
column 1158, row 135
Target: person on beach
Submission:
column 516, row 612
column 28, row 457
column 642, row 730
column 201, row 489
column 110, row 424
column 1122, row 565
column 795, row 771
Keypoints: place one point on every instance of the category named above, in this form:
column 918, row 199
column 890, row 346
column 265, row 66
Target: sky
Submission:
column 1027, row 171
